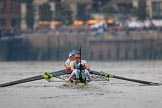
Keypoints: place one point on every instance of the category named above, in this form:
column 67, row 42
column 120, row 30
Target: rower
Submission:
column 80, row 69
column 70, row 59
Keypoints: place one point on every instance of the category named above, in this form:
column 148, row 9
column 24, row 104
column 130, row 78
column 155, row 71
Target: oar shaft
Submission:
column 39, row 77
column 135, row 80
column 123, row 78
column 22, row 81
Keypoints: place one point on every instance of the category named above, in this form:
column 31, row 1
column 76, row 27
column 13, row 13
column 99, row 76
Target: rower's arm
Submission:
column 72, row 66
column 67, row 65
column 87, row 66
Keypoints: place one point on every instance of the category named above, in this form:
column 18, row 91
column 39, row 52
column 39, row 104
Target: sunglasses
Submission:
column 77, row 57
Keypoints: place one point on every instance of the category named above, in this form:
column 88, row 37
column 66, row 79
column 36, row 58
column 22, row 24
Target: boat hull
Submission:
column 79, row 84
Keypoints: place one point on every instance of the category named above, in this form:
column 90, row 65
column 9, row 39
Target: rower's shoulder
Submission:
column 67, row 60
column 84, row 61
column 72, row 62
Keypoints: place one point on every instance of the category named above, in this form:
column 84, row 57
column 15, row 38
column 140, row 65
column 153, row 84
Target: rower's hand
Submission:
column 66, row 80
column 82, row 64
column 88, row 80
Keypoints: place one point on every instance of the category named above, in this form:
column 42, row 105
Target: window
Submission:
column 2, row 22
column 15, row 3
column 15, row 22
column 157, row 9
column 2, row 4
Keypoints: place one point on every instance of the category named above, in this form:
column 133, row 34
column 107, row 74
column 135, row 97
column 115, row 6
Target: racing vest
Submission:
column 80, row 73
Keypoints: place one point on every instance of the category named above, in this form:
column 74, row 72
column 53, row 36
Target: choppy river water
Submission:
column 97, row 94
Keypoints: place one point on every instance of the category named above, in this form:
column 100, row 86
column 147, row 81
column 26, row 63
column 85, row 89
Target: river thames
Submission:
column 97, row 94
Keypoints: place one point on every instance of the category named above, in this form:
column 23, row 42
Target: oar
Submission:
column 123, row 78
column 46, row 76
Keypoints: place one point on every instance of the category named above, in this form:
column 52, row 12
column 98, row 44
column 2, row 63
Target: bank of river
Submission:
column 51, row 46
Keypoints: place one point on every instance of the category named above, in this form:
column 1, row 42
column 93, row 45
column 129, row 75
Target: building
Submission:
column 17, row 13
column 153, row 7
column 9, row 15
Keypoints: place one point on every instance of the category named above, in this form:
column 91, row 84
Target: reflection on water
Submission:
column 114, row 93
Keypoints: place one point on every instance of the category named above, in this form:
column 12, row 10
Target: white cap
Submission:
column 70, row 55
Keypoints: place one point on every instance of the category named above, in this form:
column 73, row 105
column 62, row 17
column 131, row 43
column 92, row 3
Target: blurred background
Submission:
column 106, row 29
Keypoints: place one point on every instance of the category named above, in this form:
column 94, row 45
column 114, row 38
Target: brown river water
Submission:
column 97, row 94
